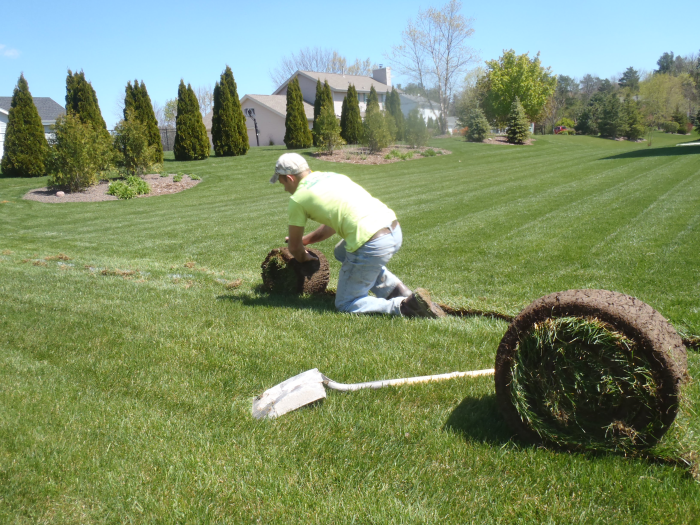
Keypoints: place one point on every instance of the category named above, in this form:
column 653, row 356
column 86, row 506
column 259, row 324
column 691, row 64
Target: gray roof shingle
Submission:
column 339, row 82
column 47, row 107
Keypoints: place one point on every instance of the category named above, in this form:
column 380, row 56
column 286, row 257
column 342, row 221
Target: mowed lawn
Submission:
column 129, row 357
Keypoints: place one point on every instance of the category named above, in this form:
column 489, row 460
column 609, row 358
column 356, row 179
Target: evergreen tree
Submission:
column 224, row 132
column 587, row 123
column 478, row 127
column 25, row 149
column 393, row 106
column 327, row 130
column 697, row 122
column 633, row 121
column 610, row 123
column 518, row 128
column 81, row 100
column 372, row 99
column 297, row 133
column 318, row 102
column 681, row 119
column 241, row 144
column 191, row 141
column 630, row 80
column 375, row 132
column 137, row 103
column 351, row 126
column 417, row 134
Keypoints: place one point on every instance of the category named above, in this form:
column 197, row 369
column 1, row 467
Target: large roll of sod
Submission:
column 590, row 370
column 282, row 273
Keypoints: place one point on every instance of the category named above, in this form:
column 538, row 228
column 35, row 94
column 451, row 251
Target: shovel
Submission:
column 308, row 387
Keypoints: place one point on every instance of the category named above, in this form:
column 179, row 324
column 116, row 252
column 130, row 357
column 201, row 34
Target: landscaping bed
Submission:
column 361, row 155
column 159, row 186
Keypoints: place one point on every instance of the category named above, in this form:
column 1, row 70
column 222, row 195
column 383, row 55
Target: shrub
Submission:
column 132, row 143
column 25, row 147
column 566, row 122
column 670, row 126
column 77, row 153
column 430, row 152
column 518, row 125
column 375, row 132
column 129, row 188
column 416, row 132
column 478, row 127
column 178, row 177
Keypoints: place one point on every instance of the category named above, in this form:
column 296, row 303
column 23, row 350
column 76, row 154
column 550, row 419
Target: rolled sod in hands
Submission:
column 282, row 273
column 590, row 370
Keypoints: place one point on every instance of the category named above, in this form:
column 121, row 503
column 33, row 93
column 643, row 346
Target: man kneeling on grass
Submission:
column 371, row 235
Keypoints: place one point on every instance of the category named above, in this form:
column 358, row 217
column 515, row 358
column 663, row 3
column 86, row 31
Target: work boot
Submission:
column 418, row 304
column 401, row 290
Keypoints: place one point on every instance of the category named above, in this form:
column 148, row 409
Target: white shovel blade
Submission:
column 289, row 395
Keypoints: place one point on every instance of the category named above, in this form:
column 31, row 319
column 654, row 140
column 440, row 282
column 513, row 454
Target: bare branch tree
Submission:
column 158, row 112
column 205, row 98
column 434, row 52
column 319, row 60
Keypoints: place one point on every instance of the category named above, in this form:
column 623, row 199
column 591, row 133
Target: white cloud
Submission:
column 8, row 51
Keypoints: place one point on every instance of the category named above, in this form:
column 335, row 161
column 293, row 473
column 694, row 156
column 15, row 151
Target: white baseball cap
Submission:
column 289, row 164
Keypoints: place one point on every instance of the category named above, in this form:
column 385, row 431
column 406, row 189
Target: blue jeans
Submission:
column 364, row 270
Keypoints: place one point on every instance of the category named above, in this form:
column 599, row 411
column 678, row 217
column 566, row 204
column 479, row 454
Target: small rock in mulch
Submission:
column 97, row 193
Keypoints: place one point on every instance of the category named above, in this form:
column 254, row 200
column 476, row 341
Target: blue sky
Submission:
column 162, row 42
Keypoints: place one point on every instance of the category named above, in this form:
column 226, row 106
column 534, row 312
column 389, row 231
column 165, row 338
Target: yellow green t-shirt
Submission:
column 336, row 201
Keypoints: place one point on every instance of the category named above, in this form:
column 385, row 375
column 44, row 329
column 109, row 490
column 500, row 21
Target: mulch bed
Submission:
column 360, row 155
column 97, row 193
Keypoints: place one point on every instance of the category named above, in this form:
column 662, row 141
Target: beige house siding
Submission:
column 3, row 127
column 270, row 115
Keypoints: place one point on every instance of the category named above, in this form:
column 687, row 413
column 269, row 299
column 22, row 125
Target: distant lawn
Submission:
column 127, row 370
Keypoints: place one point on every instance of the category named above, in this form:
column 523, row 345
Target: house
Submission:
column 270, row 110
column 426, row 108
column 48, row 109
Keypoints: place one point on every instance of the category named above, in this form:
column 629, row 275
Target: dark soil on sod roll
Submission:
column 282, row 273
column 624, row 392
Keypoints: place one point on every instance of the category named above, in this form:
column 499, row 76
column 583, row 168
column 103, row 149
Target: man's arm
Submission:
column 296, row 246
column 321, row 233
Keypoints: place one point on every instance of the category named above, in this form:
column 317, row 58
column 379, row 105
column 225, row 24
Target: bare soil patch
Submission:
column 159, row 186
column 360, row 155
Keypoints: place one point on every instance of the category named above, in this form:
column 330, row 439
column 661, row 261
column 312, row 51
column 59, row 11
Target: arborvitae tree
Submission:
column 351, row 125
column 191, row 141
column 375, row 132
column 633, row 121
column 372, row 99
column 241, row 145
column 518, row 125
column 138, row 100
column 327, row 130
column 297, row 133
column 132, row 142
column 81, row 100
column 610, row 123
column 318, row 102
column 417, row 134
column 25, row 148
column 393, row 106
column 478, row 127
column 224, row 132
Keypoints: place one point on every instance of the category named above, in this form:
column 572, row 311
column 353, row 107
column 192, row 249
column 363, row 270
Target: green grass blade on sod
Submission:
column 128, row 360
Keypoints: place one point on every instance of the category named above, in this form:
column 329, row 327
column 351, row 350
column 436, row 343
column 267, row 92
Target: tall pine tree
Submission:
column 351, row 125
column 240, row 145
column 610, row 124
column 297, row 133
column 518, row 125
column 25, row 148
column 81, row 101
column 393, row 106
column 224, row 132
column 324, row 95
column 191, row 141
column 138, row 101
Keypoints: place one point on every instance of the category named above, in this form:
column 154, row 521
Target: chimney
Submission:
column 383, row 75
